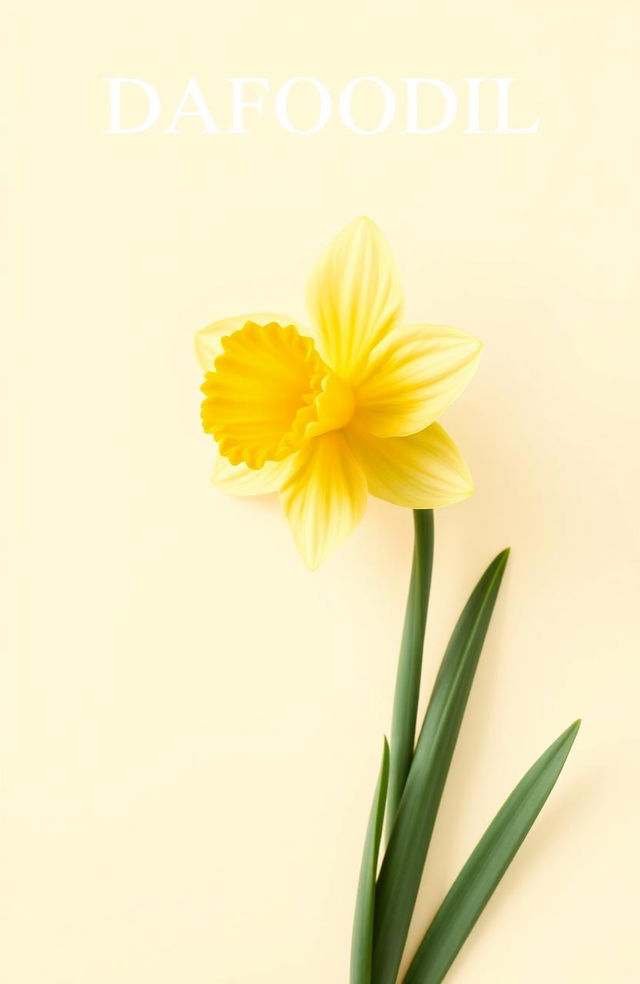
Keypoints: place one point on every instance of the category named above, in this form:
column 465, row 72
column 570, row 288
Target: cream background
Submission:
column 190, row 722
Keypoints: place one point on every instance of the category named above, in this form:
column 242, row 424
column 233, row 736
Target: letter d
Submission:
column 153, row 102
column 449, row 109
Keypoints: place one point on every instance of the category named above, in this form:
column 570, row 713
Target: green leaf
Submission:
column 481, row 874
column 404, row 860
column 362, row 940
column 405, row 704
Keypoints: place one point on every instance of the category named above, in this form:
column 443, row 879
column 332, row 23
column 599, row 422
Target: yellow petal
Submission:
column 413, row 375
column 208, row 340
column 354, row 296
column 324, row 497
column 422, row 471
column 242, row 480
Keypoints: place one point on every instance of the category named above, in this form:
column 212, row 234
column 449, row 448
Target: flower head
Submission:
column 325, row 420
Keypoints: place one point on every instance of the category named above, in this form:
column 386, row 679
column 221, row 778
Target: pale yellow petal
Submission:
column 207, row 340
column 412, row 376
column 354, row 296
column 242, row 480
column 422, row 471
column 324, row 497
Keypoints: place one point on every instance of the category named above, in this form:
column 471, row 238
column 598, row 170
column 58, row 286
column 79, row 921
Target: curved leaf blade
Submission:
column 483, row 871
column 362, row 938
column 407, row 692
column 401, row 870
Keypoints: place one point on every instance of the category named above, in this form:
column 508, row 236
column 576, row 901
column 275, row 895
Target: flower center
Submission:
column 269, row 392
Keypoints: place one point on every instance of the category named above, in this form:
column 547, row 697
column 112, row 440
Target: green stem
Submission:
column 405, row 703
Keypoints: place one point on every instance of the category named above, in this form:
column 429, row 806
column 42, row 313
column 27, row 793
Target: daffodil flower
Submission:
column 325, row 418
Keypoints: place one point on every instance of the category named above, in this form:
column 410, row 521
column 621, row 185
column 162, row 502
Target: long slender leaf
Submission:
column 362, row 940
column 405, row 704
column 404, row 860
column 481, row 874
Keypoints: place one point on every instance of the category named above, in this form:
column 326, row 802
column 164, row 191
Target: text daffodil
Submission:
column 324, row 420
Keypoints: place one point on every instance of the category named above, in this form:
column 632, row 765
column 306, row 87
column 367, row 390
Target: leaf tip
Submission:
column 499, row 562
column 570, row 734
